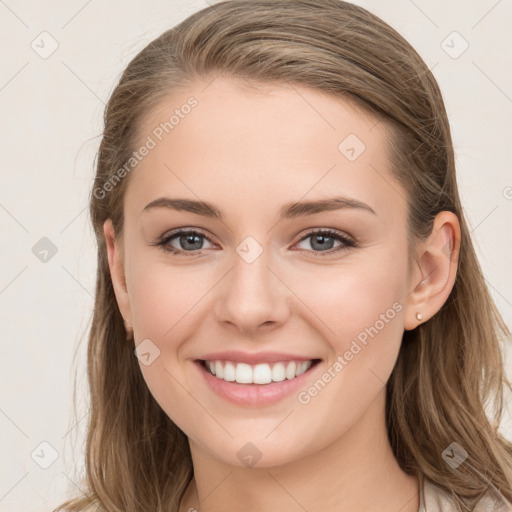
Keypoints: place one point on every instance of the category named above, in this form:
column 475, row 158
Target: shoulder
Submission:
column 435, row 499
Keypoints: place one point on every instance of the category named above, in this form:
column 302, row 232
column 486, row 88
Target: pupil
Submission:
column 190, row 238
column 321, row 240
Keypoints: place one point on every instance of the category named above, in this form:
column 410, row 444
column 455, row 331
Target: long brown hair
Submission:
column 449, row 369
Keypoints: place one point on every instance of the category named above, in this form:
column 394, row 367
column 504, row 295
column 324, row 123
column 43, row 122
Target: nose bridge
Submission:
column 252, row 294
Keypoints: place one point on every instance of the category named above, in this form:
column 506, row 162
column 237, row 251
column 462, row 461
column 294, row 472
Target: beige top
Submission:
column 435, row 499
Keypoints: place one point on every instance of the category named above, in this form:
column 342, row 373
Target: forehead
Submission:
column 261, row 146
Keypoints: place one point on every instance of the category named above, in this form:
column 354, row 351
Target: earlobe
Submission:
column 115, row 261
column 435, row 272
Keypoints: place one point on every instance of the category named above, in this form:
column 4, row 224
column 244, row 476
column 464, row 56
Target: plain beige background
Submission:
column 51, row 107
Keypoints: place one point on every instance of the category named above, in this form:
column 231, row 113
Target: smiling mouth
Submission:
column 259, row 374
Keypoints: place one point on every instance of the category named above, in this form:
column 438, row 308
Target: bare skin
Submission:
column 250, row 152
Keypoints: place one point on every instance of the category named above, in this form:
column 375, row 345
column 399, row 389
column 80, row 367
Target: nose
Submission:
column 252, row 298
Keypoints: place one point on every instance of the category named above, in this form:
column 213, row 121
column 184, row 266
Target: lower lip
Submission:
column 254, row 394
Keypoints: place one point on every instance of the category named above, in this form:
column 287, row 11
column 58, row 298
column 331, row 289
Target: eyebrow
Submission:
column 288, row 211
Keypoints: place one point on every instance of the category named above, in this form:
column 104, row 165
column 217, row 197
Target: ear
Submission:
column 115, row 262
column 435, row 270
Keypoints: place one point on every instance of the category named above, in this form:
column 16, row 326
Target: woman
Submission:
column 282, row 246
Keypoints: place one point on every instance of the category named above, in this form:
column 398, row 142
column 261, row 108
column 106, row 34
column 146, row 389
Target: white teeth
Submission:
column 229, row 372
column 262, row 373
column 301, row 368
column 290, row 370
column 219, row 371
column 278, row 372
column 243, row 373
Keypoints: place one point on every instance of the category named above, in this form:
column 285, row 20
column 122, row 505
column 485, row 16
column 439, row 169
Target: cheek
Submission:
column 342, row 301
column 165, row 298
column 164, row 303
column 361, row 321
column 358, row 311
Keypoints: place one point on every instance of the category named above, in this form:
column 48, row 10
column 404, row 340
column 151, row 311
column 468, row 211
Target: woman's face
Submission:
column 258, row 284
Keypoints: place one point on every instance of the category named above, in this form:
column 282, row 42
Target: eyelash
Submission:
column 347, row 243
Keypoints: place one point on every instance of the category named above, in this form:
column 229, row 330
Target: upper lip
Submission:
column 254, row 357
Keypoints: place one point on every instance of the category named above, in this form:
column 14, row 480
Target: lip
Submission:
column 253, row 358
column 256, row 395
